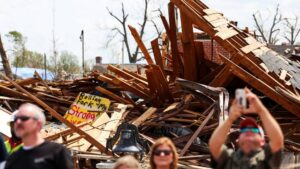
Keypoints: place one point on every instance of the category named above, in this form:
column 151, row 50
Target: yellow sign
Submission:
column 86, row 107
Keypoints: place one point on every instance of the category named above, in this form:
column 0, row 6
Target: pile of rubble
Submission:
column 182, row 94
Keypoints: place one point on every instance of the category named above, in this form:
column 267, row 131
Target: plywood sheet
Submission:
column 247, row 49
column 210, row 11
column 213, row 17
column 226, row 33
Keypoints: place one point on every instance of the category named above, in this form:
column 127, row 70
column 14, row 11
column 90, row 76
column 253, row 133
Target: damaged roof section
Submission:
column 248, row 55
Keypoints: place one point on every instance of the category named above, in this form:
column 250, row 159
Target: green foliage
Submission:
column 68, row 62
column 29, row 59
column 65, row 62
column 22, row 56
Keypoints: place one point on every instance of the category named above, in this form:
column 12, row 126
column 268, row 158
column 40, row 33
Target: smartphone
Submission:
column 240, row 96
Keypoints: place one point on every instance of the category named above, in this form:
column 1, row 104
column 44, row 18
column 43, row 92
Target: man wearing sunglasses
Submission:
column 253, row 152
column 36, row 153
column 14, row 143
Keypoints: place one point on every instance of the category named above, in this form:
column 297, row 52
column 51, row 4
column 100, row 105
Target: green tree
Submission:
column 22, row 56
column 68, row 62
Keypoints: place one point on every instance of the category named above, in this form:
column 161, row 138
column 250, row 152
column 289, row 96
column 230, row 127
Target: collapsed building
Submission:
column 184, row 93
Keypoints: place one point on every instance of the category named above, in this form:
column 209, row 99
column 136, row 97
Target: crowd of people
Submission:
column 27, row 149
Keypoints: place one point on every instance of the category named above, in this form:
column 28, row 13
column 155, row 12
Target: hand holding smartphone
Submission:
column 240, row 96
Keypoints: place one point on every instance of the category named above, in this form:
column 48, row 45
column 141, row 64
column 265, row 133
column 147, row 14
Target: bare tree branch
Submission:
column 293, row 30
column 260, row 28
column 276, row 20
column 142, row 31
column 273, row 32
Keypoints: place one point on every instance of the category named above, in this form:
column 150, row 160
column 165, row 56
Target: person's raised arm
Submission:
column 271, row 126
column 219, row 136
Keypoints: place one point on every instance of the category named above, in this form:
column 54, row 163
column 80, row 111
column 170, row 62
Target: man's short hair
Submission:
column 38, row 112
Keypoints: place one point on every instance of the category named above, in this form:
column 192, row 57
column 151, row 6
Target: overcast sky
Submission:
column 34, row 19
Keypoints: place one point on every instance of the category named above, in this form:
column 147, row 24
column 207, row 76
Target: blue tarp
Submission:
column 24, row 73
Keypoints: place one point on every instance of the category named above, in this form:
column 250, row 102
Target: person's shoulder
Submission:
column 14, row 156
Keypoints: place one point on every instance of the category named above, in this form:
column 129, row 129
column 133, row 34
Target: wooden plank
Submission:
column 37, row 75
column 210, row 11
column 226, row 33
column 173, row 39
column 58, row 116
column 23, row 82
column 220, row 22
column 127, row 86
column 166, row 25
column 112, row 95
column 224, row 77
column 140, row 44
column 125, row 75
column 162, row 83
column 157, row 54
column 250, row 40
column 141, row 119
column 112, row 124
column 247, row 49
column 197, row 132
column 189, row 54
column 136, row 75
column 264, row 67
column 213, row 17
column 93, row 130
column 283, row 75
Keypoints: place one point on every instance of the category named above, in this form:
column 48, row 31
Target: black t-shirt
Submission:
column 48, row 155
column 3, row 152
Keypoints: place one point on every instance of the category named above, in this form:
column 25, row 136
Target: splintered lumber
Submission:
column 166, row 25
column 189, row 143
column 13, row 93
column 173, row 39
column 58, row 116
column 112, row 95
column 125, row 75
column 112, row 125
column 185, row 104
column 141, row 119
column 36, row 74
column 140, row 44
column 262, row 87
column 158, row 84
column 157, row 54
column 136, row 75
column 189, row 55
column 93, row 130
column 24, row 82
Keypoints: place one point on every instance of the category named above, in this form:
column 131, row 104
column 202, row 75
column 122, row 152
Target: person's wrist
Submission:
column 262, row 111
column 231, row 119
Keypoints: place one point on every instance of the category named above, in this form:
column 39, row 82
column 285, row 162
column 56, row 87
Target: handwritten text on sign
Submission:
column 86, row 107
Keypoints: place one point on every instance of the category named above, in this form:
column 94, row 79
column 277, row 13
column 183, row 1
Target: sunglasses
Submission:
column 23, row 118
column 158, row 152
column 253, row 130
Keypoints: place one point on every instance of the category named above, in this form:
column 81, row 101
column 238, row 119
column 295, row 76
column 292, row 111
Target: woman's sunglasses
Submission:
column 159, row 152
column 254, row 130
column 23, row 118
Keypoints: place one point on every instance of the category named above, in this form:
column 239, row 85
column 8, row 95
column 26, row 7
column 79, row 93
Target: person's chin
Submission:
column 164, row 164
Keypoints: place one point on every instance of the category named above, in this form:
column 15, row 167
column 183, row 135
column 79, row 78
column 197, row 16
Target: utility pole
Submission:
column 54, row 39
column 45, row 66
column 82, row 42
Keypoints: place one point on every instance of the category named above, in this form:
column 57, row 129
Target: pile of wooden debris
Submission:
column 182, row 95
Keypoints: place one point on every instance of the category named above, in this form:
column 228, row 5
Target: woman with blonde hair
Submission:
column 127, row 162
column 163, row 154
